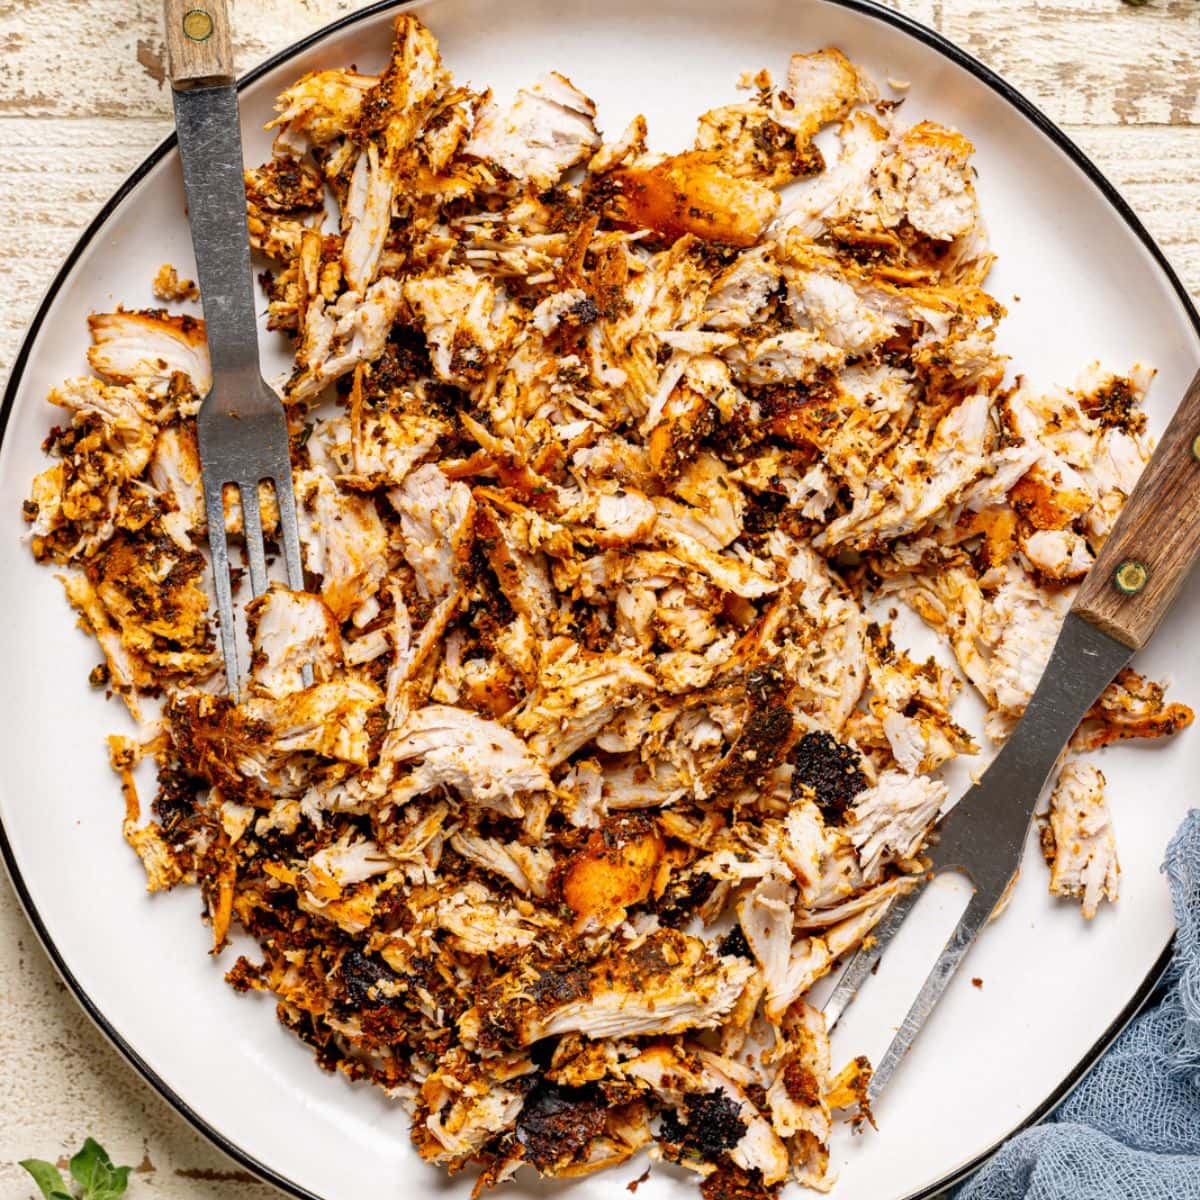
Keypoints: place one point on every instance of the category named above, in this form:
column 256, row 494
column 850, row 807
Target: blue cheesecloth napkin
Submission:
column 1131, row 1130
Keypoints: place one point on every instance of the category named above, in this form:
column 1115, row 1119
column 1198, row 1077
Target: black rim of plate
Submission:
column 867, row 8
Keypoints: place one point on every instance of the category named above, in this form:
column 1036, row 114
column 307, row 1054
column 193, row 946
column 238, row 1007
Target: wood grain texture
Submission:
column 85, row 99
column 1154, row 543
column 199, row 45
column 1089, row 61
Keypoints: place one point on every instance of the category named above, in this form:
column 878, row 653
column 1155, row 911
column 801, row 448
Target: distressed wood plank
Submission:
column 66, row 57
column 55, row 175
column 1158, row 173
column 1089, row 61
column 1093, row 61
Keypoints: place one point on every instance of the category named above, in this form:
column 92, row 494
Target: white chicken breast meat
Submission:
column 590, row 740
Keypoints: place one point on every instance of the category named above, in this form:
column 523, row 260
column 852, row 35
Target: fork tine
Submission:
column 978, row 910
column 252, row 531
column 285, row 501
column 867, row 955
column 214, row 505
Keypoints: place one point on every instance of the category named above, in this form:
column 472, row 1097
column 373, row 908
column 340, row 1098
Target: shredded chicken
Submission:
column 585, row 750
column 1078, row 841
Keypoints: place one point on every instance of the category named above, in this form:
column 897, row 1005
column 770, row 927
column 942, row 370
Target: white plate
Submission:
column 1091, row 285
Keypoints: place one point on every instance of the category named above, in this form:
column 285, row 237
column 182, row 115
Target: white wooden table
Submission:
column 82, row 101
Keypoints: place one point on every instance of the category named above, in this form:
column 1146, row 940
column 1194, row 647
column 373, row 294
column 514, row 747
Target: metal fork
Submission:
column 241, row 427
column 1120, row 603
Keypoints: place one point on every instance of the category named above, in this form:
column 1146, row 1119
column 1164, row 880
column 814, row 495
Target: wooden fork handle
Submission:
column 1156, row 538
column 199, row 46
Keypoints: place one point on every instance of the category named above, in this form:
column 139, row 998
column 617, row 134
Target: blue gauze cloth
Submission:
column 1131, row 1130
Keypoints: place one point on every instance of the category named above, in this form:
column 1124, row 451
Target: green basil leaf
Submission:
column 93, row 1170
column 112, row 1187
column 47, row 1177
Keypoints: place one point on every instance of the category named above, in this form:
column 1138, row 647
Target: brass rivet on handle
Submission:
column 1196, row 447
column 1131, row 576
column 198, row 25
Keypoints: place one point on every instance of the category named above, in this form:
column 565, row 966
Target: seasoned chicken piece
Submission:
column 154, row 592
column 1058, row 555
column 479, row 923
column 847, row 312
column 462, row 314
column 870, row 900
column 795, row 356
column 750, row 144
column 219, row 742
column 821, row 88
column 663, row 984
column 912, row 701
column 1022, row 623
column 623, row 518
column 170, row 288
column 686, row 618
column 337, row 868
column 329, row 719
column 1115, row 470
column 740, row 295
column 283, row 197
column 447, row 128
column 663, row 292
column 366, row 219
column 820, row 634
column 889, row 821
column 713, row 1115
column 343, row 540
column 463, row 1116
column 844, row 189
column 109, row 443
column 527, row 868
column 928, row 182
column 630, row 145
column 289, row 631
column 728, row 572
column 127, row 672
column 615, row 869
column 578, row 693
column 797, row 1095
column 390, row 433
column 337, row 335
column 149, row 349
column 524, row 575
column 1130, row 707
column 549, row 128
column 789, row 967
column 436, row 526
column 319, row 109
column 44, row 508
column 689, row 405
column 285, row 186
column 1078, row 841
column 923, row 481
column 175, row 472
column 485, row 763
column 692, row 193
column 568, row 1130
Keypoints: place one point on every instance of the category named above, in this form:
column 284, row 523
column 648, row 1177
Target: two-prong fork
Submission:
column 1118, row 607
column 241, row 427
